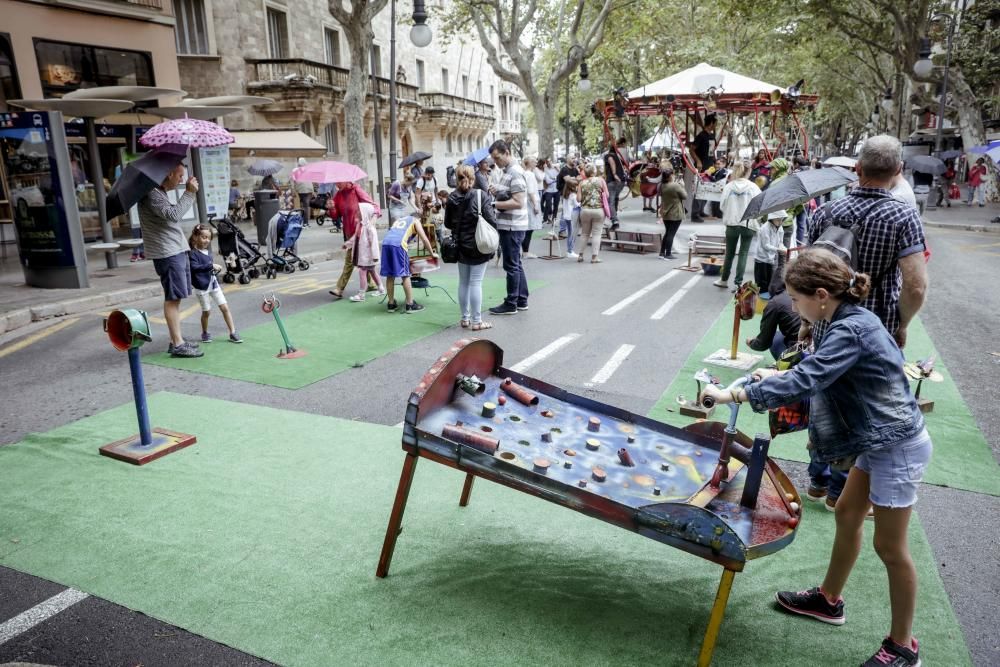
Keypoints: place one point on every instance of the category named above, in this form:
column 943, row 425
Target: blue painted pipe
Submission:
column 139, row 392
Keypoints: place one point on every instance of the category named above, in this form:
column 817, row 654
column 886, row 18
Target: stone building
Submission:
column 449, row 100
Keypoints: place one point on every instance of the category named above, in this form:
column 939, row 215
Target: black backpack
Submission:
column 841, row 236
column 450, row 175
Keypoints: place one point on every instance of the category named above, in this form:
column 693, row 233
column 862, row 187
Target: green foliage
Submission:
column 977, row 53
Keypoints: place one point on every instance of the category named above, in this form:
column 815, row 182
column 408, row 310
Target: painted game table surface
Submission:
column 470, row 413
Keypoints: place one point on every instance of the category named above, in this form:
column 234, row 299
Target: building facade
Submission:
column 449, row 100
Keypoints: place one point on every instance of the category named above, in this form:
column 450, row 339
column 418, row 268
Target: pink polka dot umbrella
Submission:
column 190, row 131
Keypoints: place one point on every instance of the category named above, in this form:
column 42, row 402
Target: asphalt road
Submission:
column 963, row 315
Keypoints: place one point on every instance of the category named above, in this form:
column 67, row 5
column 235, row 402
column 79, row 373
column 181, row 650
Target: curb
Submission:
column 22, row 317
column 984, row 229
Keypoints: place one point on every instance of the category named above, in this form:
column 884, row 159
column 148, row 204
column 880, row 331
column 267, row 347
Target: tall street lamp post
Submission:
column 925, row 66
column 583, row 84
column 420, row 35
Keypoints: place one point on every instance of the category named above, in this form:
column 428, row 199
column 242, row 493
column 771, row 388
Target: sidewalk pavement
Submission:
column 20, row 305
column 961, row 216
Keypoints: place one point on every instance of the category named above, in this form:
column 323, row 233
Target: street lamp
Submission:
column 887, row 100
column 875, row 115
column 583, row 84
column 420, row 35
column 925, row 66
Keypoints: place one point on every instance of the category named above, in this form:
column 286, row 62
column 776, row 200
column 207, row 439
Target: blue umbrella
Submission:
column 476, row 156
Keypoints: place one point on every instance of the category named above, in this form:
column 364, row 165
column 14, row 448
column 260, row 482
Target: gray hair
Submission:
column 880, row 157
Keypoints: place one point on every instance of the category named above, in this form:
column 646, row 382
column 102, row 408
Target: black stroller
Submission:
column 240, row 256
column 320, row 201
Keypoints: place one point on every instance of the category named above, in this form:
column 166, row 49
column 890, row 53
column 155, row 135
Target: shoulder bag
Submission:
column 487, row 237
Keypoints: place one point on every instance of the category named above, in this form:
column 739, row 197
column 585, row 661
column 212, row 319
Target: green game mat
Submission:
column 336, row 336
column 269, row 543
column 962, row 457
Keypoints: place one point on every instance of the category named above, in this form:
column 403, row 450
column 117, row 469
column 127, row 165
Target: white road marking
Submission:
column 641, row 293
column 672, row 301
column 39, row 613
column 546, row 351
column 616, row 360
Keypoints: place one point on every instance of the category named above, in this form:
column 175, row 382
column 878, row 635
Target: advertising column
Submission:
column 40, row 183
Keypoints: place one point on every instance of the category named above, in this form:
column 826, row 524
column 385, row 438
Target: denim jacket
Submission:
column 861, row 397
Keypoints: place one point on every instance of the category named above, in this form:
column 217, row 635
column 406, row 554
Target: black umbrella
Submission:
column 412, row 158
column 798, row 188
column 926, row 164
column 140, row 177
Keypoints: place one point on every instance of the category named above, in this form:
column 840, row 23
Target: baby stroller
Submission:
column 283, row 231
column 240, row 256
column 319, row 202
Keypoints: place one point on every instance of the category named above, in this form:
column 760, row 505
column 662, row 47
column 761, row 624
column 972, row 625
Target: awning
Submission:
column 697, row 79
column 275, row 143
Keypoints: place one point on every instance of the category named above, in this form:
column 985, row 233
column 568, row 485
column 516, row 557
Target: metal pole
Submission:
column 377, row 132
column 944, row 86
column 200, row 195
column 567, row 115
column 392, row 92
column 139, row 393
column 96, row 175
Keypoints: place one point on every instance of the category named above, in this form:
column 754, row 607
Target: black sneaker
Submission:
column 614, row 225
column 413, row 307
column 812, row 603
column 892, row 654
column 504, row 309
column 391, row 306
column 522, row 306
column 186, row 351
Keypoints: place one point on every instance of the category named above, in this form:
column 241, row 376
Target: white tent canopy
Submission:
column 698, row 79
column 663, row 138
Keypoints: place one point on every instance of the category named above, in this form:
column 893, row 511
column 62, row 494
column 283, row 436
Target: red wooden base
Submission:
column 131, row 450
column 292, row 355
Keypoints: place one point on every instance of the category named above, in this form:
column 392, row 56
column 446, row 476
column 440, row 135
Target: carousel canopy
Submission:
column 698, row 79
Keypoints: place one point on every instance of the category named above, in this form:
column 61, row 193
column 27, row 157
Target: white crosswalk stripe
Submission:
column 662, row 311
column 40, row 612
column 616, row 360
column 624, row 303
column 545, row 352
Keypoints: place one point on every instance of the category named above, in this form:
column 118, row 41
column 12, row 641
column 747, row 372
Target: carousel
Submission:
column 751, row 116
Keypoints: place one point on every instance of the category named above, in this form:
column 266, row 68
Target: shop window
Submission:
column 64, row 67
column 332, row 138
column 277, row 33
column 191, row 30
column 10, row 89
column 331, row 38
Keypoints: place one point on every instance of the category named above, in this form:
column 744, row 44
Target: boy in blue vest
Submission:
column 395, row 260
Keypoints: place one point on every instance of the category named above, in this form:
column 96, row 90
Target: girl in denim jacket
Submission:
column 863, row 416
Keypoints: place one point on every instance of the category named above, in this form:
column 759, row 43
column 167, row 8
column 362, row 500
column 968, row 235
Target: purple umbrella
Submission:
column 195, row 133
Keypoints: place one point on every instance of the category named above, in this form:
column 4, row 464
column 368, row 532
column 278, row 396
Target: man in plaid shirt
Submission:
column 891, row 243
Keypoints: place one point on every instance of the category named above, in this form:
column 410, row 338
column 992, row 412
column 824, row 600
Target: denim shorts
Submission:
column 895, row 471
column 175, row 276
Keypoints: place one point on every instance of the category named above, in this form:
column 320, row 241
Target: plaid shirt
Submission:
column 891, row 232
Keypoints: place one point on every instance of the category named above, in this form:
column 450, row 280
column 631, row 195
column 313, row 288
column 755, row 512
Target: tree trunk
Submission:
column 545, row 114
column 970, row 125
column 359, row 40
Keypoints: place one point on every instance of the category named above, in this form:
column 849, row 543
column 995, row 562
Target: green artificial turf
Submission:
column 336, row 336
column 962, row 457
column 268, row 543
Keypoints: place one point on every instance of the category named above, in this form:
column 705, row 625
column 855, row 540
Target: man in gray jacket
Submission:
column 167, row 246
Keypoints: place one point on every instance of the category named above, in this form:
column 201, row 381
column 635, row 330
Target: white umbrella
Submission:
column 840, row 161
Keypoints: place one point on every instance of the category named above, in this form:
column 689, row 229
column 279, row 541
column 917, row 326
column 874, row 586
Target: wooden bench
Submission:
column 622, row 244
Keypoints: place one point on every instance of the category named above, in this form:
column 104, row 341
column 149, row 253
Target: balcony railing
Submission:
column 509, row 126
column 287, row 69
column 152, row 4
column 453, row 103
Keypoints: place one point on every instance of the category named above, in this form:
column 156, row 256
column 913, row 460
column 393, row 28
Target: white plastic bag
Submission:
column 487, row 238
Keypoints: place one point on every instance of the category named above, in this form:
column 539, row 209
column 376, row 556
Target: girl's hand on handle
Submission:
column 716, row 395
column 762, row 373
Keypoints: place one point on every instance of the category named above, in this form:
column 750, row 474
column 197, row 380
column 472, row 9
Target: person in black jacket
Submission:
column 779, row 326
column 461, row 216
column 206, row 285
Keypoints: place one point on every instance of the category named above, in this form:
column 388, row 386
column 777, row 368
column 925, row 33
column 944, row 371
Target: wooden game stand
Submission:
column 482, row 359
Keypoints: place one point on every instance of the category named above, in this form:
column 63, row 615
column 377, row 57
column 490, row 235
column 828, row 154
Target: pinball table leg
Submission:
column 715, row 620
column 466, row 490
column 396, row 517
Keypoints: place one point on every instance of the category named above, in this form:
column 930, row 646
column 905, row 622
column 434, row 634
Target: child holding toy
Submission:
column 364, row 250
column 862, row 416
column 396, row 260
